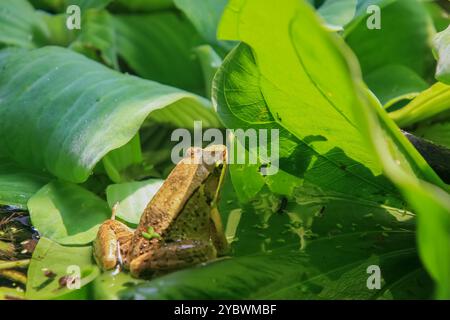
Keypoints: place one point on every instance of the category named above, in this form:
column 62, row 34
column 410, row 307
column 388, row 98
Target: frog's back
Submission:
column 180, row 193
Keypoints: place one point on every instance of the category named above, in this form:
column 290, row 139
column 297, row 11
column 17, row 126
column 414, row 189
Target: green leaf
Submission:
column 60, row 261
column 404, row 38
column 159, row 47
column 88, row 4
column 430, row 201
column 304, row 102
column 58, row 34
column 142, row 5
column 156, row 141
column 117, row 161
column 132, row 197
column 286, row 274
column 109, row 285
column 210, row 63
column 18, row 185
column 205, row 16
column 338, row 13
column 46, row 4
column 429, row 104
column 61, row 5
column 338, row 249
column 97, row 35
column 249, row 95
column 440, row 16
column 393, row 83
column 330, row 93
column 67, row 213
column 20, row 24
column 441, row 44
column 240, row 175
column 437, row 132
column 74, row 111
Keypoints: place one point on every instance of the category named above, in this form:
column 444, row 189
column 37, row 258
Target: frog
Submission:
column 180, row 226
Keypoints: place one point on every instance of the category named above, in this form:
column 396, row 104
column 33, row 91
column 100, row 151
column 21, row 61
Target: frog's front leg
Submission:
column 218, row 234
column 112, row 244
column 172, row 256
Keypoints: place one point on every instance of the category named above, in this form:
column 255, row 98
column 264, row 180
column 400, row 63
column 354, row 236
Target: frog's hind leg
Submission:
column 112, row 244
column 172, row 256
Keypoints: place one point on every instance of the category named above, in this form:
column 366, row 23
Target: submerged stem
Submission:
column 14, row 275
column 14, row 264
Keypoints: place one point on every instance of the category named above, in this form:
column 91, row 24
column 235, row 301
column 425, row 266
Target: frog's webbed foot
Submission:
column 112, row 244
column 172, row 256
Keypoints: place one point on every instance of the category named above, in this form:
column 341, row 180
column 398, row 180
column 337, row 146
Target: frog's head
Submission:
column 214, row 155
column 214, row 160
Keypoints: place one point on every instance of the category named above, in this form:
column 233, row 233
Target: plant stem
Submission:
column 14, row 264
column 14, row 275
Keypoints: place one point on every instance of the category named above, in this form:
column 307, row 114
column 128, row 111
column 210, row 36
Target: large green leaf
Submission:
column 392, row 45
column 292, row 102
column 205, row 16
column 18, row 185
column 404, row 38
column 306, row 87
column 142, row 5
column 97, row 37
column 67, row 213
column 119, row 160
column 442, row 48
column 393, row 83
column 20, row 25
column 59, row 261
column 159, row 47
column 288, row 274
column 340, row 237
column 431, row 201
column 210, row 62
column 303, row 100
column 132, row 198
column 109, row 284
column 73, row 111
